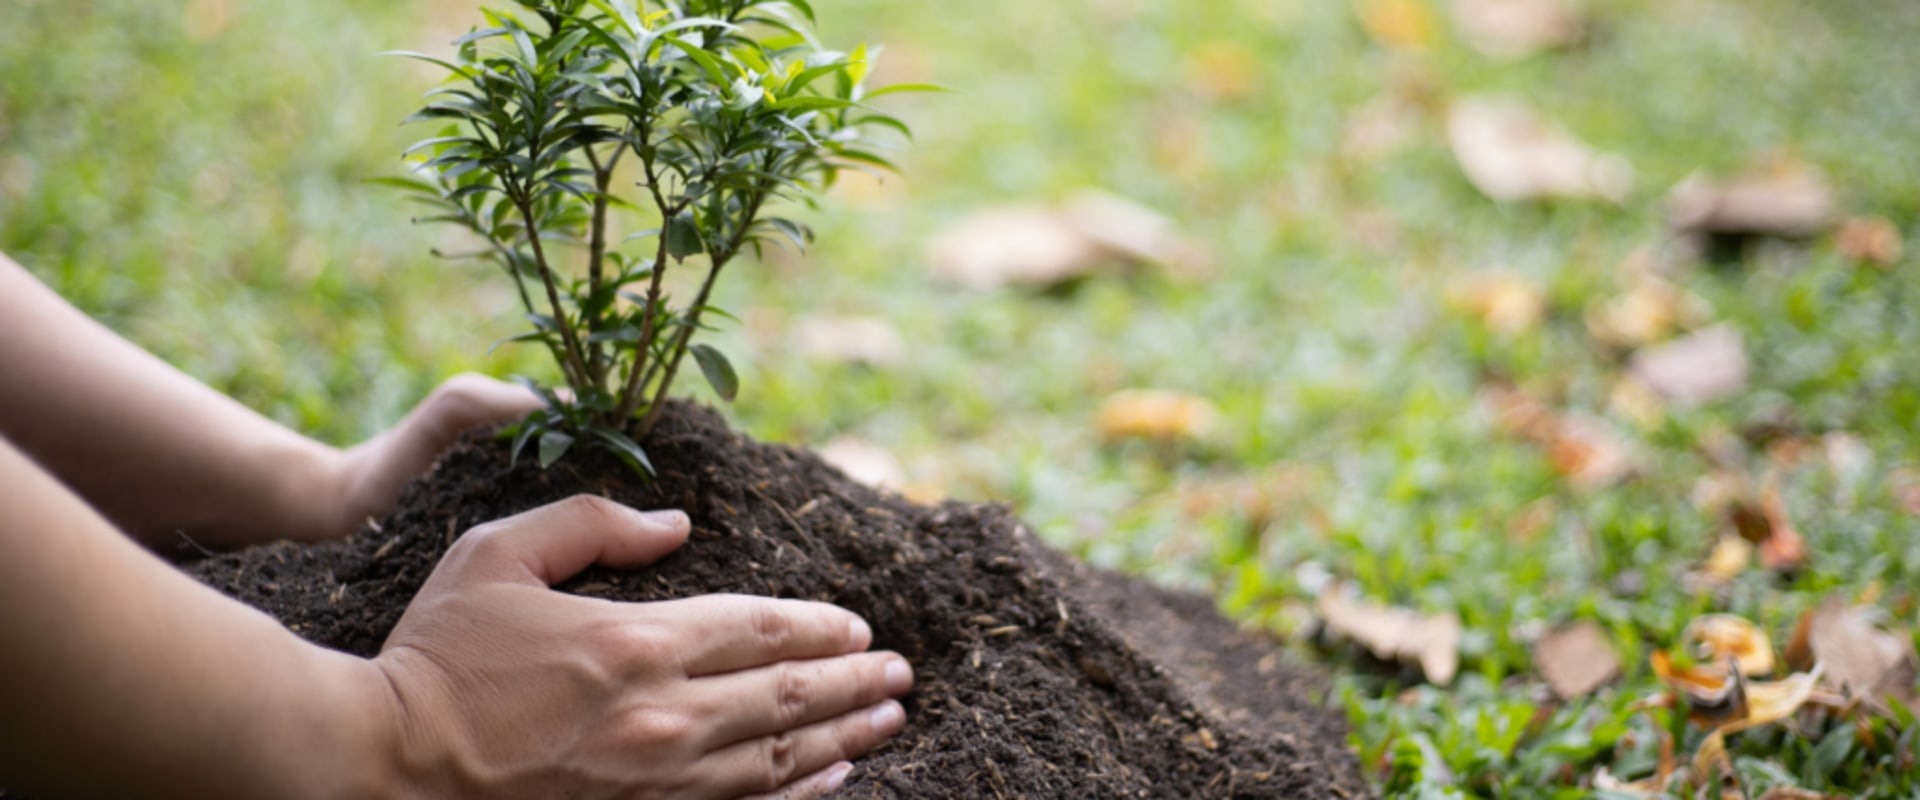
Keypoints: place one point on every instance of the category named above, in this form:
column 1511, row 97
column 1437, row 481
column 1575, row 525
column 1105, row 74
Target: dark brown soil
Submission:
column 1037, row 676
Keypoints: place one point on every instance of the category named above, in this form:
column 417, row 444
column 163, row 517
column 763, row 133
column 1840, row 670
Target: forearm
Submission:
column 125, row 678
column 154, row 450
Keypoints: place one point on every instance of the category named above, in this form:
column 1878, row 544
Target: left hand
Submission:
column 367, row 480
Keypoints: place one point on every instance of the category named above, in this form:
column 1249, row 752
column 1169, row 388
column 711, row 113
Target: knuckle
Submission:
column 631, row 644
column 655, row 729
column 598, row 509
column 773, row 626
column 796, row 694
column 780, row 759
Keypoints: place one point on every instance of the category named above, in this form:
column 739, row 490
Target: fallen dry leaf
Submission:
column 1516, row 28
column 1700, row 368
column 1588, row 452
column 1783, row 548
column 1398, row 24
column 1576, row 660
column 865, row 462
column 1771, row 701
column 1583, row 449
column 1258, row 499
column 1873, row 240
column 1134, row 232
column 852, row 340
column 1786, row 199
column 1861, row 659
column 1039, row 247
column 1157, row 415
column 1713, row 693
column 206, row 19
column 1730, row 557
column 1651, row 310
column 1396, row 634
column 1720, row 637
column 1017, row 245
column 1636, row 402
column 1511, row 153
column 1506, row 304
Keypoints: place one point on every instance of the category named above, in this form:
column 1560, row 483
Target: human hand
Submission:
column 366, row 481
column 505, row 689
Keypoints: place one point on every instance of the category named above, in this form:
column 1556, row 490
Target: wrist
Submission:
column 364, row 731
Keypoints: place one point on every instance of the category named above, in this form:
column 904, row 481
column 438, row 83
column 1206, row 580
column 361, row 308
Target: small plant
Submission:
column 707, row 110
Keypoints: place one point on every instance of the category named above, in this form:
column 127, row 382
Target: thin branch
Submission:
column 577, row 370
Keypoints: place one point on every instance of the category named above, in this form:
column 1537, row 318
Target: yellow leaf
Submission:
column 1158, row 415
column 1719, row 637
column 1399, row 24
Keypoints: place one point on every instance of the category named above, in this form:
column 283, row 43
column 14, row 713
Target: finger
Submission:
column 735, row 632
column 770, row 763
column 555, row 542
column 792, row 694
column 813, row 786
column 468, row 401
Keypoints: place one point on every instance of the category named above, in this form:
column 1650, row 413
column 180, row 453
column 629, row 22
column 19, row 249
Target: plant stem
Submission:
column 596, row 262
column 577, row 371
column 679, row 349
column 637, row 378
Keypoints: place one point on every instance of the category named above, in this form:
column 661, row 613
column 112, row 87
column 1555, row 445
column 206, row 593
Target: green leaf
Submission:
column 456, row 69
column 683, row 237
column 525, row 337
column 700, row 56
column 719, row 371
column 811, row 103
column 553, row 446
column 625, row 447
column 409, row 184
column 902, row 88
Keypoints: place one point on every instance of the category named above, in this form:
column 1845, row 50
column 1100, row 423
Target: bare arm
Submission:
column 125, row 678
column 157, row 452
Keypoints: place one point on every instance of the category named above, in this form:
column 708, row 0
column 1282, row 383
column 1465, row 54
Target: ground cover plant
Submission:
column 1307, row 145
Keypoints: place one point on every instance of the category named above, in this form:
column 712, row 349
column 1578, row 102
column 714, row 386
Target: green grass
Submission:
column 200, row 191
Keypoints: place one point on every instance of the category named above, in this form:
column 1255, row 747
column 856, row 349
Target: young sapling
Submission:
column 691, row 116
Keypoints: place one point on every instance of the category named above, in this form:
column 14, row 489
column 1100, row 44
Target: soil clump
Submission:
column 1037, row 676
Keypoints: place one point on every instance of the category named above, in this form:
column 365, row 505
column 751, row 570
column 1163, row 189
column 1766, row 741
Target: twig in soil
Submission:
column 805, row 535
column 386, row 548
column 196, row 545
column 1062, row 605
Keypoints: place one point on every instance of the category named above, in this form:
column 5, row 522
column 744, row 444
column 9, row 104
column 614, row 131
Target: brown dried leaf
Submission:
column 1589, row 453
column 1013, row 246
column 853, row 340
column 1511, row 153
column 1787, row 199
column 1224, row 70
column 1771, row 701
column 1720, row 637
column 1872, row 240
column 1516, row 28
column 1504, row 303
column 1714, row 694
column 1860, row 658
column 1698, row 369
column 1576, row 660
column 1396, row 634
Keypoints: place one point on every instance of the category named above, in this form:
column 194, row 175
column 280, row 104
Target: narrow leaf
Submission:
column 719, row 371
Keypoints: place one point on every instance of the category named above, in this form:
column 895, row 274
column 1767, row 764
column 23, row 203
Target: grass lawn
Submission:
column 190, row 172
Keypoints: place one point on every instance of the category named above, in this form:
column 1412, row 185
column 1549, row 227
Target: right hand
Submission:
column 503, row 688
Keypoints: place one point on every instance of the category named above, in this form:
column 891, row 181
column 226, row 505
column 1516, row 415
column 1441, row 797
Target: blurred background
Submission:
column 1508, row 313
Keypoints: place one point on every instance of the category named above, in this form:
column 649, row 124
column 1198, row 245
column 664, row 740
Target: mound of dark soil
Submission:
column 1037, row 676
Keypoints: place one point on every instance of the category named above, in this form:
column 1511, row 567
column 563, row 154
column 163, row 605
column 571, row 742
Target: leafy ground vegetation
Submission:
column 1419, row 430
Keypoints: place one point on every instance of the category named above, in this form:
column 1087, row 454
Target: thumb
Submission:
column 555, row 542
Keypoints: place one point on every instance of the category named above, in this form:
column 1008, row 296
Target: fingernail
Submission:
column 838, row 777
column 859, row 635
column 669, row 520
column 899, row 677
column 888, row 719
